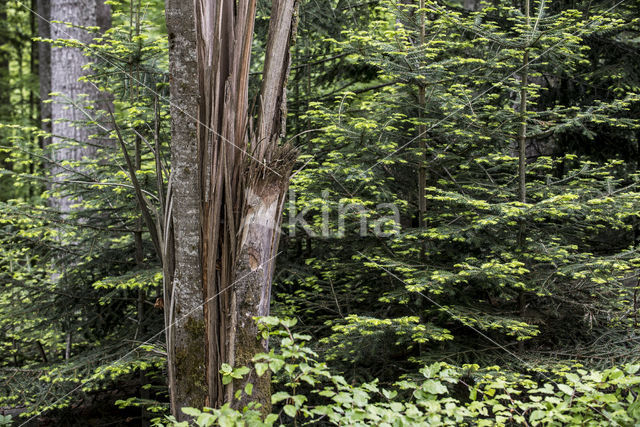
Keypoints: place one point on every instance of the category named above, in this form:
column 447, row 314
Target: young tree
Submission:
column 228, row 187
column 474, row 275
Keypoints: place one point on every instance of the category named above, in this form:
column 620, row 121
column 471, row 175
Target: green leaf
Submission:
column 192, row 412
column 241, row 371
column 279, row 396
column 206, row 420
column 608, row 398
column 565, row 388
column 299, row 400
column 270, row 419
column 276, row 365
column 261, row 368
column 434, row 387
column 632, row 369
column 290, row 410
column 270, row 320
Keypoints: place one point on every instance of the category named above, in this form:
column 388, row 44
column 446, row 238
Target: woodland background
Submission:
column 509, row 141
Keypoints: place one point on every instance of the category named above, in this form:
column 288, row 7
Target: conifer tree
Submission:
column 494, row 260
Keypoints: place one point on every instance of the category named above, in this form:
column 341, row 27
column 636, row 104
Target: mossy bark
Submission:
column 190, row 364
column 255, row 265
column 228, row 191
column 184, row 316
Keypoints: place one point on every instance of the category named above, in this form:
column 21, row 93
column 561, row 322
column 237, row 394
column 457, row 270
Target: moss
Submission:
column 247, row 346
column 262, row 392
column 190, row 364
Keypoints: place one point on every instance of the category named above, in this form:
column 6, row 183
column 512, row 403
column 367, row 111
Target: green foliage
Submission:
column 78, row 288
column 440, row 394
column 480, row 309
column 19, row 115
column 6, row 420
column 485, row 271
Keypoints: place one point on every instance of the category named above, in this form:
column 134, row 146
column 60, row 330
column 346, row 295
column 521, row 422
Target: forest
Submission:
column 328, row 212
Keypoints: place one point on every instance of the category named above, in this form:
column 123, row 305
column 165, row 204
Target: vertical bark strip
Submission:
column 273, row 107
column 223, row 46
column 237, row 180
column 183, row 295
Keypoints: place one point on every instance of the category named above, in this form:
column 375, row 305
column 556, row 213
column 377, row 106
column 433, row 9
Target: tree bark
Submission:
column 471, row 5
column 522, row 155
column 44, row 66
column 422, row 130
column 183, row 295
column 4, row 62
column 522, row 130
column 236, row 179
column 70, row 142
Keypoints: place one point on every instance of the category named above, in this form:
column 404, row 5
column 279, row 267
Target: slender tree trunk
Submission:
column 522, row 131
column 522, row 156
column 33, row 65
column 522, row 134
column 40, row 349
column 68, row 345
column 6, row 112
column 228, row 190
column 4, row 61
column 183, row 288
column 422, row 130
column 471, row 5
column 70, row 141
column 44, row 66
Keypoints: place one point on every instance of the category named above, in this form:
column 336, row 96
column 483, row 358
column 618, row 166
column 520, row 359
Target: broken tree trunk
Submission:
column 242, row 179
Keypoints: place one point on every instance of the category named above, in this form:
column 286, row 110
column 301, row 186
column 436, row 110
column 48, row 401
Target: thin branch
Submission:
column 144, row 204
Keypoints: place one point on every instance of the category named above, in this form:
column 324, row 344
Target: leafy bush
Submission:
column 309, row 393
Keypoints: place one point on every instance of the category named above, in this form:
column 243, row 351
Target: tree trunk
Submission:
column 70, row 141
column 522, row 130
column 522, row 156
column 4, row 62
column 6, row 112
column 44, row 66
column 471, row 5
column 422, row 130
column 228, row 191
column 183, row 296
